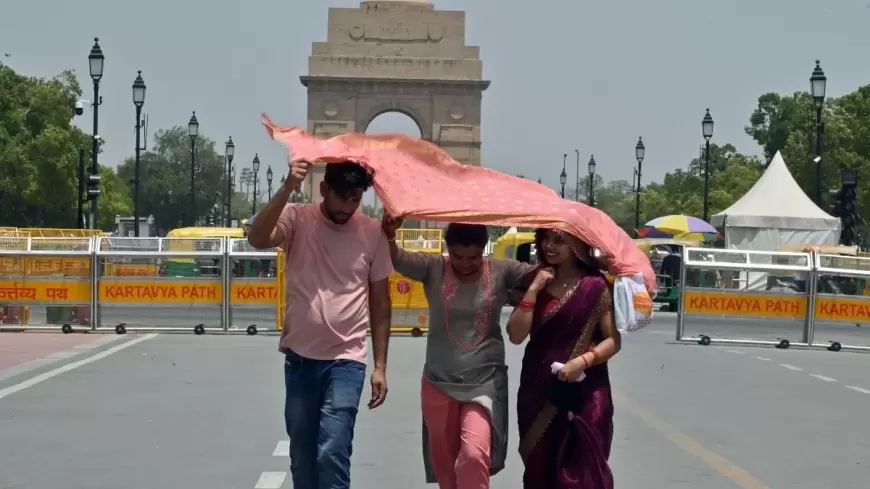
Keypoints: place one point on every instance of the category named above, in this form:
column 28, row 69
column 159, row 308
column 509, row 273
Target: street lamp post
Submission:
column 229, row 151
column 818, row 83
column 639, row 153
column 592, row 180
column 138, row 101
column 256, row 165
column 96, row 60
column 707, row 131
column 563, row 177
column 269, row 180
column 193, row 132
column 577, row 173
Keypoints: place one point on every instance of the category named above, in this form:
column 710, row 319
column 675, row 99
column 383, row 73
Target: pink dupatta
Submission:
column 417, row 179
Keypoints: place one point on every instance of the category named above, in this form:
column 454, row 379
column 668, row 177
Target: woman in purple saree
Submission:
column 565, row 419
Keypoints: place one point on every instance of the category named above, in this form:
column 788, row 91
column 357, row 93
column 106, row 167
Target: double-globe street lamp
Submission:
column 256, row 165
column 639, row 153
column 563, row 177
column 229, row 152
column 818, row 83
column 591, row 167
column 707, row 132
column 138, row 101
column 96, row 60
column 193, row 132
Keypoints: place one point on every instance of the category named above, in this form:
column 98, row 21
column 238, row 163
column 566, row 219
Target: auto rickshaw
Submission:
column 666, row 270
column 514, row 245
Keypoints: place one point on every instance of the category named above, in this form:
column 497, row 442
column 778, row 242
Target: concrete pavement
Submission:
column 206, row 412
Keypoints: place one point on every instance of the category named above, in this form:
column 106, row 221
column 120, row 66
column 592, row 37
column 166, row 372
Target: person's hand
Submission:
column 544, row 276
column 571, row 371
column 390, row 225
column 379, row 388
column 298, row 172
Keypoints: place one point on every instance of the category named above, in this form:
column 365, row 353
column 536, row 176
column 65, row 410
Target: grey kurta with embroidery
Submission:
column 465, row 355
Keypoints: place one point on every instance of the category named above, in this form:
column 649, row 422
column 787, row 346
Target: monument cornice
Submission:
column 408, row 85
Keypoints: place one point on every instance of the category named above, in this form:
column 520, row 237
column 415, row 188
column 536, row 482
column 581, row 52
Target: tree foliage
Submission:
column 39, row 149
column 164, row 181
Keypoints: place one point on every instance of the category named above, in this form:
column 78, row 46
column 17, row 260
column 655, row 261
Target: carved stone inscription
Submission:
column 396, row 32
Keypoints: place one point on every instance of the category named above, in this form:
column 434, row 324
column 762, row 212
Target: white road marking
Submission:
column 858, row 389
column 791, row 367
column 271, row 480
column 23, row 368
column 822, row 377
column 763, row 359
column 738, row 352
column 283, row 449
column 71, row 366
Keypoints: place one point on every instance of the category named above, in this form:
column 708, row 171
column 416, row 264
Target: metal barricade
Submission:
column 45, row 283
column 842, row 302
column 253, row 296
column 187, row 291
column 745, row 297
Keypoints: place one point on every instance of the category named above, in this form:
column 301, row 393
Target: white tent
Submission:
column 776, row 212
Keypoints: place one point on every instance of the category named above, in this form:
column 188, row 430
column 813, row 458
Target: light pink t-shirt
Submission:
column 329, row 267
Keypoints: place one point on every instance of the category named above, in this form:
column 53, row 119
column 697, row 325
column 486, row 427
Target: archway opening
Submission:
column 390, row 122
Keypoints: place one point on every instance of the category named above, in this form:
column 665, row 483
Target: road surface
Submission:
column 205, row 412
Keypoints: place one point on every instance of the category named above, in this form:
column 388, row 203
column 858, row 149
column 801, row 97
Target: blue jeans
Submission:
column 320, row 412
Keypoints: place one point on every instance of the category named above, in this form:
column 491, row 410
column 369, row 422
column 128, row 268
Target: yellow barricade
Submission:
column 255, row 291
column 187, row 292
column 37, row 290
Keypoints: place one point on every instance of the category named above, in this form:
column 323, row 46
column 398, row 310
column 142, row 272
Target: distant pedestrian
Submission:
column 338, row 267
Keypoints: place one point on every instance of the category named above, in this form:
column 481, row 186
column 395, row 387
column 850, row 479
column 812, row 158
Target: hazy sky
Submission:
column 566, row 74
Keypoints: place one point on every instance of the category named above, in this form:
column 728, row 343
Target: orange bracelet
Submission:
column 595, row 355
column 585, row 363
column 526, row 305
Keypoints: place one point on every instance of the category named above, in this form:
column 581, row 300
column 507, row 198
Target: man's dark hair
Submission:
column 466, row 235
column 344, row 178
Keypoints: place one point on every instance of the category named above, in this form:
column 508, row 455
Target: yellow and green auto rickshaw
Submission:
column 665, row 256
column 193, row 267
column 515, row 245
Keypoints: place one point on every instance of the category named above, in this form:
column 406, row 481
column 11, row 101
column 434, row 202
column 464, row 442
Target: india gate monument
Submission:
column 396, row 56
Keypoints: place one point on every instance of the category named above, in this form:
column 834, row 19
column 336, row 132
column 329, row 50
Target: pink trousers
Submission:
column 459, row 440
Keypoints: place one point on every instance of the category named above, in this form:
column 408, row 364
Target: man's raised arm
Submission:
column 265, row 231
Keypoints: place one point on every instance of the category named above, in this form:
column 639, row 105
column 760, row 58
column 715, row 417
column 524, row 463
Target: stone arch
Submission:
column 396, row 56
column 387, row 108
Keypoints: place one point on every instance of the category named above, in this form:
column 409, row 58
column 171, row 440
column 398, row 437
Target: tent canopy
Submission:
column 776, row 201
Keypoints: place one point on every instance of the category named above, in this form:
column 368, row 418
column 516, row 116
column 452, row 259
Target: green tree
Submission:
column 786, row 123
column 164, row 180
column 39, row 149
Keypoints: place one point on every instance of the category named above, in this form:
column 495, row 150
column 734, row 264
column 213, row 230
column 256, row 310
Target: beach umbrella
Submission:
column 679, row 227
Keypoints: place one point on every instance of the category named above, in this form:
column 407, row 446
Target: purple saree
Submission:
column 566, row 429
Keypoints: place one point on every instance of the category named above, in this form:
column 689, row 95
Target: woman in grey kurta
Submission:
column 465, row 353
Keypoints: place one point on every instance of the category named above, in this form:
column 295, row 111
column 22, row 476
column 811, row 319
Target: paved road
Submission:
column 205, row 412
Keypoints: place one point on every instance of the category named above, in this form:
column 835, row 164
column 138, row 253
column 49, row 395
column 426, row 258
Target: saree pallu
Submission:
column 566, row 429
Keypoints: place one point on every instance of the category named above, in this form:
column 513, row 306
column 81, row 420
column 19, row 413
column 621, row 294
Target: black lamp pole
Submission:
column 193, row 132
column 639, row 152
column 592, row 180
column 269, row 180
column 563, row 177
column 229, row 151
column 707, row 131
column 96, row 60
column 256, row 165
column 577, row 172
column 818, row 82
column 138, row 101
